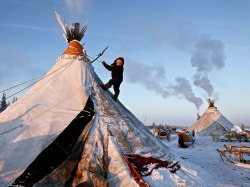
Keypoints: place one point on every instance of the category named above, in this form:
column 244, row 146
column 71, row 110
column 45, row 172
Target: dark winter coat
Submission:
column 116, row 71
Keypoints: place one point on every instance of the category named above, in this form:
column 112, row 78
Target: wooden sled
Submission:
column 235, row 154
column 161, row 133
column 241, row 136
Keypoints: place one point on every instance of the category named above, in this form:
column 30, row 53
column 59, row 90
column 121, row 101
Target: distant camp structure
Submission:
column 212, row 121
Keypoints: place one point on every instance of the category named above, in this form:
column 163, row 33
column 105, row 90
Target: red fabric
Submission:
column 139, row 166
column 138, row 178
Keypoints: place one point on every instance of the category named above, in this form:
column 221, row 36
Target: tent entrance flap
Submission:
column 58, row 151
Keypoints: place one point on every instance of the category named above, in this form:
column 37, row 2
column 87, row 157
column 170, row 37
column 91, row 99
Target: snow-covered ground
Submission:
column 204, row 154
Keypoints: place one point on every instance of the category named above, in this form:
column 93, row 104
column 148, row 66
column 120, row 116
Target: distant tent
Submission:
column 212, row 121
column 67, row 131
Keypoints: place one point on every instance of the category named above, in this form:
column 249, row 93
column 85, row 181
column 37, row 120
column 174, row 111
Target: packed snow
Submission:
column 204, row 154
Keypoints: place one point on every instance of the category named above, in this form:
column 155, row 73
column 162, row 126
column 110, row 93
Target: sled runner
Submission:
column 235, row 154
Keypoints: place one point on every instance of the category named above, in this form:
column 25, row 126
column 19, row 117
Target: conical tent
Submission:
column 67, row 131
column 212, row 121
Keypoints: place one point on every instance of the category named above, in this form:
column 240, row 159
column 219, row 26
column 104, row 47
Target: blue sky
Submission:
column 177, row 53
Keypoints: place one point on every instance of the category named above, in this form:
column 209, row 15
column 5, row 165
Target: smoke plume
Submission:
column 203, row 82
column 208, row 55
column 183, row 88
column 153, row 78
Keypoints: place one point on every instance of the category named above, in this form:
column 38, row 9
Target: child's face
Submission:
column 119, row 62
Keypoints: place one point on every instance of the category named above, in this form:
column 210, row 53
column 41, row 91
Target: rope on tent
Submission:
column 37, row 80
column 65, row 99
column 22, row 83
column 11, row 129
column 27, row 81
column 21, row 125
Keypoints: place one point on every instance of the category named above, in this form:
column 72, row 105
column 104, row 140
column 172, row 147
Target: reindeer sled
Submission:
column 241, row 136
column 162, row 133
column 186, row 139
column 239, row 155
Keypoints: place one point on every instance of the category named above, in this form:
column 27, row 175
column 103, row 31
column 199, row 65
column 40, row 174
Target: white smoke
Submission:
column 184, row 88
column 153, row 78
column 75, row 6
column 208, row 55
column 203, row 82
